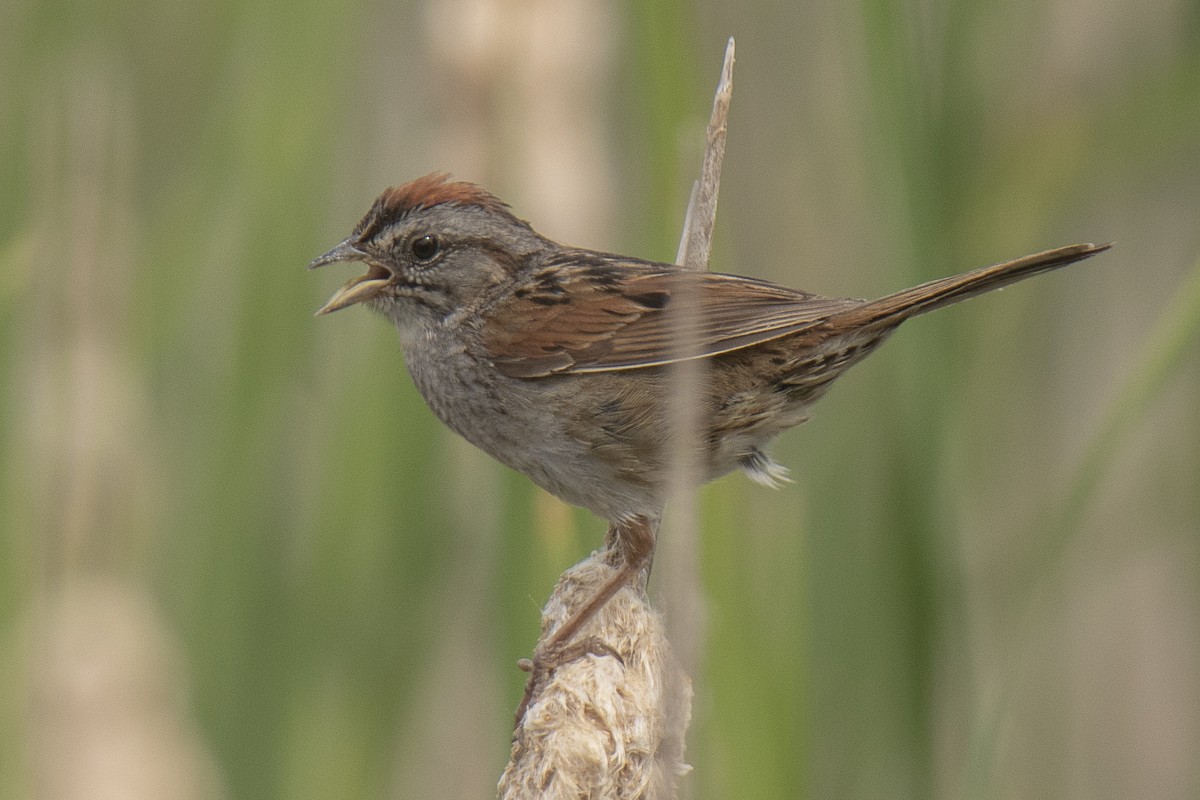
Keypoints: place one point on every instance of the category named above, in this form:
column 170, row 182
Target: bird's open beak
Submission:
column 357, row 289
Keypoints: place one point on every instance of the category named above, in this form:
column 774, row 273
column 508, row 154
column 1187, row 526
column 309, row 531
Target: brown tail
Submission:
column 895, row 308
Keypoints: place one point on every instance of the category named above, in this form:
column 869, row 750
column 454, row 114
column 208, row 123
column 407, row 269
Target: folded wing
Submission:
column 607, row 315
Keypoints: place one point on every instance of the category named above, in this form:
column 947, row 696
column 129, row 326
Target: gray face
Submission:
column 445, row 258
column 425, row 263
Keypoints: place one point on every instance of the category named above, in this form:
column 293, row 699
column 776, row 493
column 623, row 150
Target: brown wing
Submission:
column 608, row 315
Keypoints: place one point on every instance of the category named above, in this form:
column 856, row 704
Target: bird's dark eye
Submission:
column 425, row 247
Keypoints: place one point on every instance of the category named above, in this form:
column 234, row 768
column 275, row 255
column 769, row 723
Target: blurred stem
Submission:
column 1174, row 339
column 665, row 96
column 923, row 131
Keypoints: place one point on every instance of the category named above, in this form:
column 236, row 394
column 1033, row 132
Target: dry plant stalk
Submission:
column 695, row 245
column 678, row 579
column 612, row 722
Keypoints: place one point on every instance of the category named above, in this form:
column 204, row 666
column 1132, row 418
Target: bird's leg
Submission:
column 630, row 546
column 630, row 550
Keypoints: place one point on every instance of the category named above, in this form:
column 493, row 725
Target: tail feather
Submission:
column 895, row 308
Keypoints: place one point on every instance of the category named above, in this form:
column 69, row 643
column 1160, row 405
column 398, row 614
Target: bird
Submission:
column 556, row 360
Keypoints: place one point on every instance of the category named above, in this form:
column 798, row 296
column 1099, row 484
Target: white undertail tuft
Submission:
column 763, row 469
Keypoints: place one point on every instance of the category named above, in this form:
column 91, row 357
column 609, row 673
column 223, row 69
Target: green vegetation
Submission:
column 234, row 532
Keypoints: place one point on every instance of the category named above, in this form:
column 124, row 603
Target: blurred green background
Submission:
column 240, row 559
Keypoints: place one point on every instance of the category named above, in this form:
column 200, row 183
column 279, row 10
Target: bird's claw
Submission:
column 548, row 659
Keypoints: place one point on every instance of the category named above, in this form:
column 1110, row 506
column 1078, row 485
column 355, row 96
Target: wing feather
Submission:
column 606, row 315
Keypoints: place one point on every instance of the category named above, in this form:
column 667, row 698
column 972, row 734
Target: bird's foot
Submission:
column 549, row 658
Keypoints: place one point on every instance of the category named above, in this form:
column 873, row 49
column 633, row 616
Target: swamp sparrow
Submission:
column 553, row 359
